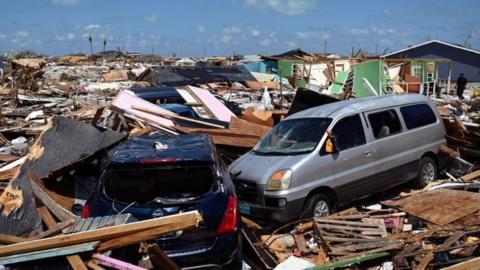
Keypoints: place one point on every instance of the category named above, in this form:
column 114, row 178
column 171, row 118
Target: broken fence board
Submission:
column 114, row 263
column 48, row 253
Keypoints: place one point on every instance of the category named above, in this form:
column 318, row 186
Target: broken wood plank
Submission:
column 179, row 221
column 350, row 261
column 160, row 260
column 114, row 263
column 471, row 176
column 46, row 216
column 55, row 229
column 92, row 265
column 451, row 240
column 425, row 261
column 141, row 236
column 76, row 262
column 350, row 223
column 49, row 253
column 361, row 229
column 6, row 239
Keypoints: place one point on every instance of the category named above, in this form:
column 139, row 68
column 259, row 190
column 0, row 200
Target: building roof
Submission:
column 430, row 42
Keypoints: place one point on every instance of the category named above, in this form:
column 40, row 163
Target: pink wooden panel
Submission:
column 219, row 110
column 125, row 100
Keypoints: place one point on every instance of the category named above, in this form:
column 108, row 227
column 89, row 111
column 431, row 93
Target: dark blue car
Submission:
column 161, row 175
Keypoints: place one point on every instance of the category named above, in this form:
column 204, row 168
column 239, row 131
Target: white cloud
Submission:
column 226, row 39
column 201, row 29
column 291, row 44
column 92, row 27
column 232, row 30
column 313, row 35
column 151, row 18
column 2, row 36
column 22, row 34
column 265, row 42
column 285, row 7
column 65, row 2
column 255, row 33
column 65, row 37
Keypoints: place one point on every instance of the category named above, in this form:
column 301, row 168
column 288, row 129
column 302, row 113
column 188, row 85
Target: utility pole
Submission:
column 376, row 48
column 204, row 51
column 325, row 47
column 91, row 46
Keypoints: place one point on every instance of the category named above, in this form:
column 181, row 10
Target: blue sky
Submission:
column 222, row 27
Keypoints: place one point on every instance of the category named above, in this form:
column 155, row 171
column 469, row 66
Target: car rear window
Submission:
column 418, row 115
column 384, row 123
column 146, row 184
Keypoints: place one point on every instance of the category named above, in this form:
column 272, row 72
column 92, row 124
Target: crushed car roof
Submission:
column 182, row 148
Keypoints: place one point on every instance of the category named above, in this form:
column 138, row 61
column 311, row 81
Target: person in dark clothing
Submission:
column 461, row 84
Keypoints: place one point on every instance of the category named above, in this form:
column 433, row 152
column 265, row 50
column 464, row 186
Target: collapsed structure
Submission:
column 60, row 116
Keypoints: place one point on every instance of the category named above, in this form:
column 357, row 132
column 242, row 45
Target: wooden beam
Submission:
column 183, row 220
column 114, row 263
column 55, row 229
column 160, row 260
column 141, row 236
column 467, row 265
column 76, row 262
column 60, row 212
column 48, row 253
column 6, row 239
column 46, row 216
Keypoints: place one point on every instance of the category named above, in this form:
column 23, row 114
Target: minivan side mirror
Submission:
column 331, row 145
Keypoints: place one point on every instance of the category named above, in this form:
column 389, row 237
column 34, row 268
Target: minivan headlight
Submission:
column 280, row 180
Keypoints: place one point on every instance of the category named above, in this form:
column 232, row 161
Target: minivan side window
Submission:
column 418, row 115
column 349, row 132
column 384, row 123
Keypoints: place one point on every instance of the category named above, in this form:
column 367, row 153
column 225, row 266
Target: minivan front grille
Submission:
column 246, row 190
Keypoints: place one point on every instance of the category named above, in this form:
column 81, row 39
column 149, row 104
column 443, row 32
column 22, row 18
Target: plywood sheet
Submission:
column 441, row 206
column 218, row 109
column 123, row 104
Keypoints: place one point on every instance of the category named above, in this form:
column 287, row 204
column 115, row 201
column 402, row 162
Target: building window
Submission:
column 297, row 70
column 417, row 71
column 339, row 67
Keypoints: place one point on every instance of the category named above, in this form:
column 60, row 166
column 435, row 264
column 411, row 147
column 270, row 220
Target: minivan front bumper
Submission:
column 291, row 211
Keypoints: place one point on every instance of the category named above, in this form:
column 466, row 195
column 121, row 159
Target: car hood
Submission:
column 259, row 168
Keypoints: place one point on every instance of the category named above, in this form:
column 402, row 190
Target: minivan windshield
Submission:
column 294, row 136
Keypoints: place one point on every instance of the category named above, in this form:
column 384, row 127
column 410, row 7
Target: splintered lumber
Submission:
column 74, row 260
column 56, row 151
column 6, row 239
column 471, row 176
column 57, row 228
column 160, row 260
column 48, row 253
column 181, row 221
column 441, row 206
column 114, row 263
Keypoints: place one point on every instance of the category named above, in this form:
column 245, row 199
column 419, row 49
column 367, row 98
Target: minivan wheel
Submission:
column 427, row 172
column 318, row 205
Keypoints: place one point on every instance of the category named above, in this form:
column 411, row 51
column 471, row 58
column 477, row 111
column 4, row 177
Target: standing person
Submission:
column 461, row 84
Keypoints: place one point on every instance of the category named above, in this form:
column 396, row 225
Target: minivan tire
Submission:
column 427, row 172
column 319, row 204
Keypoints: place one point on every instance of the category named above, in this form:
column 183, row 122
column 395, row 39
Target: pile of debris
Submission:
column 424, row 229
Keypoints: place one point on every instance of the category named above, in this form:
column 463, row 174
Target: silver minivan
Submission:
column 326, row 156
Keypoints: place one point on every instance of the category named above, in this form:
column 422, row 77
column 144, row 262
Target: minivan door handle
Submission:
column 368, row 153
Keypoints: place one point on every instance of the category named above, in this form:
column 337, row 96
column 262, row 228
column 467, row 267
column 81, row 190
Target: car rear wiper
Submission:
column 170, row 202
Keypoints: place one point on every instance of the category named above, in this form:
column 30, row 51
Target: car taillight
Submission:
column 86, row 210
column 229, row 220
